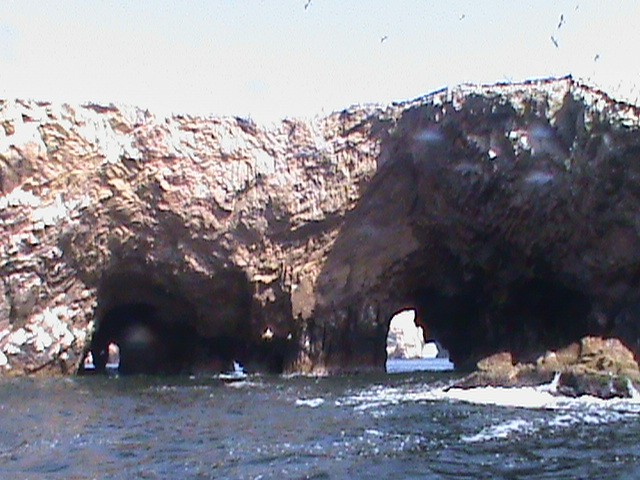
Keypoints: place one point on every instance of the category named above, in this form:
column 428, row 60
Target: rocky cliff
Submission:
column 506, row 215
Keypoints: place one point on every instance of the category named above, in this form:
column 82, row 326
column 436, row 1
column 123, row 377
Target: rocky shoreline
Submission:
column 602, row 368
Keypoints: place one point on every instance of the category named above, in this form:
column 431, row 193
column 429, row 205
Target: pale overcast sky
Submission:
column 270, row 59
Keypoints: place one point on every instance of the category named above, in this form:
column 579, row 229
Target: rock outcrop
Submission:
column 594, row 366
column 506, row 215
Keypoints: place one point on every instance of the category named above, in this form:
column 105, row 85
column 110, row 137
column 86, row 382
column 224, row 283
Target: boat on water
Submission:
column 237, row 374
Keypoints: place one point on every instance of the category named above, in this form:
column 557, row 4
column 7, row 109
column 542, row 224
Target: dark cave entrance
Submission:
column 148, row 344
column 176, row 325
column 526, row 317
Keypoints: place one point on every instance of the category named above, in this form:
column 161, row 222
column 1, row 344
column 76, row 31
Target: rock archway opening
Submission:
column 406, row 339
column 153, row 329
column 409, row 346
column 175, row 325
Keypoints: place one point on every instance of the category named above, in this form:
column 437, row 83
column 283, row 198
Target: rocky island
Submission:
column 505, row 215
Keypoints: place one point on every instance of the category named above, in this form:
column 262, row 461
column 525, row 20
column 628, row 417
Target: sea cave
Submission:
column 166, row 324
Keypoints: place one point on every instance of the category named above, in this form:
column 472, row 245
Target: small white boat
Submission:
column 236, row 375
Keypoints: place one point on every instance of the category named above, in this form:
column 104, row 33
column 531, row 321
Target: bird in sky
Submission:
column 384, row 38
column 306, row 5
column 554, row 41
column 561, row 22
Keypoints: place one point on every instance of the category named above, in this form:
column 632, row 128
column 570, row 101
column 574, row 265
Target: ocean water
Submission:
column 397, row 365
column 367, row 426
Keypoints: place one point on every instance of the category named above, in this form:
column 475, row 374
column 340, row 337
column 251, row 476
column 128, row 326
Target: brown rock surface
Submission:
column 208, row 230
column 593, row 366
column 505, row 215
column 498, row 362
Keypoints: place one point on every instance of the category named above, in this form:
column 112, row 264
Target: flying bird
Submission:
column 597, row 57
column 384, row 38
column 561, row 22
column 306, row 5
column 554, row 41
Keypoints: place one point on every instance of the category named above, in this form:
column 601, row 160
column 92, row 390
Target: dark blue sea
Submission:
column 368, row 426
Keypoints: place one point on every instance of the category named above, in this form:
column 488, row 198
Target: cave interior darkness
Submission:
column 161, row 330
column 168, row 325
column 527, row 317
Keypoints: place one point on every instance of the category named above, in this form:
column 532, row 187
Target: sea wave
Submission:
column 501, row 431
column 564, row 412
column 309, row 402
column 541, row 397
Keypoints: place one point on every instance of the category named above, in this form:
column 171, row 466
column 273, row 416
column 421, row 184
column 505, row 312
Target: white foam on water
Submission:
column 383, row 396
column 525, row 397
column 579, row 413
column 585, row 410
column 571, row 414
column 242, row 384
column 541, row 397
column 501, row 431
column 309, row 402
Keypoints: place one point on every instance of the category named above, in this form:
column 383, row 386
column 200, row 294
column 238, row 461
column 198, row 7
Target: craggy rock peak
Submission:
column 506, row 215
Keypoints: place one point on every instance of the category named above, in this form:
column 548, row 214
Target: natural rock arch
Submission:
column 508, row 218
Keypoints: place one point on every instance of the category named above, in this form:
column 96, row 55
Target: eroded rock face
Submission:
column 505, row 215
column 206, row 232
